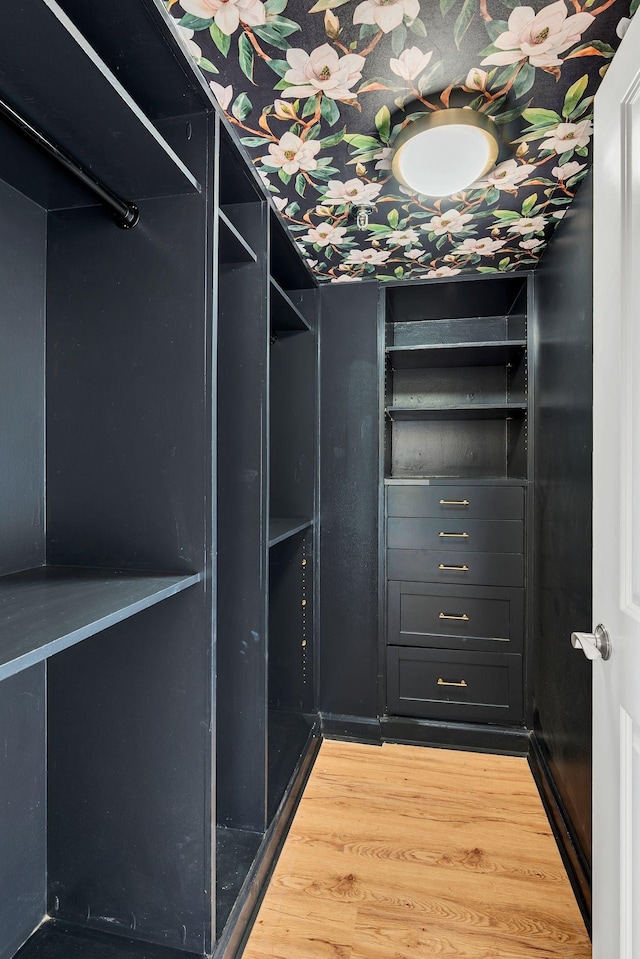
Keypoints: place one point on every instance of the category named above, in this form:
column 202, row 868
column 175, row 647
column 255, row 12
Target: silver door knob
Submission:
column 595, row 645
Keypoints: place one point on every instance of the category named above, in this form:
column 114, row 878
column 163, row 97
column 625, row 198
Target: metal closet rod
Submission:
column 126, row 214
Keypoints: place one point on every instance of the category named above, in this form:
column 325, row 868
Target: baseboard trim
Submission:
column 575, row 863
column 503, row 740
column 236, row 931
column 357, row 729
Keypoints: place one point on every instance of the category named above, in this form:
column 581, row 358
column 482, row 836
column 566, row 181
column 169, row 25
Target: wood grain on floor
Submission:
column 402, row 852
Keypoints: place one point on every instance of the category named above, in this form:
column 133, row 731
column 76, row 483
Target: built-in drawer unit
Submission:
column 454, row 685
column 456, row 502
column 456, row 567
column 478, row 618
column 473, row 535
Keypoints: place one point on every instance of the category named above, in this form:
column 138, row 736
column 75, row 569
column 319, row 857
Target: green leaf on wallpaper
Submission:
column 270, row 34
column 275, row 6
column 285, row 177
column 493, row 195
column 254, row 141
column 574, row 95
column 512, row 3
column 538, row 117
column 323, row 5
column 292, row 210
column 383, row 123
column 324, row 173
column 312, row 133
column 506, row 214
column 279, row 66
column 566, row 156
column 392, row 219
column 582, row 151
column 310, row 106
column 524, row 81
column 330, row 110
column 221, row 40
column 529, row 204
column 399, row 272
column 634, row 6
column 582, row 107
column 445, row 6
column 398, row 39
column 333, row 139
column 362, row 142
column 368, row 30
column 207, row 65
column 466, row 15
column 496, row 27
column 508, row 116
column 441, row 241
column 487, row 269
column 604, row 49
column 242, row 107
column 301, row 184
column 417, row 26
column 504, row 263
column 195, row 23
column 245, row 56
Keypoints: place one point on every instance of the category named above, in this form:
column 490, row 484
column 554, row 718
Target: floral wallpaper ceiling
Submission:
column 318, row 91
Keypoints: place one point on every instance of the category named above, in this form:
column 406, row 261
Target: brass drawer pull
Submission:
column 463, row 619
column 443, row 682
column 454, row 535
column 459, row 569
column 454, row 502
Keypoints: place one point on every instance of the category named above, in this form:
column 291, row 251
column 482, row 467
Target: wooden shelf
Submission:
column 50, row 608
column 429, row 356
column 472, row 411
column 411, row 479
column 285, row 315
column 233, row 246
column 75, row 99
column 281, row 528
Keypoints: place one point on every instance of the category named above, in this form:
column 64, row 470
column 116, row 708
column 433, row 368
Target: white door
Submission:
column 616, row 509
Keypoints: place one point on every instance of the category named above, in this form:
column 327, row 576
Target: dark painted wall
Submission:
column 348, row 500
column 562, row 602
column 22, row 699
column 22, row 278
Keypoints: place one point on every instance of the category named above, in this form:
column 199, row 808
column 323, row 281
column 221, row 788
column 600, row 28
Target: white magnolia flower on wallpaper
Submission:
column 280, row 202
column 224, row 95
column 351, row 191
column 345, row 279
column 414, row 253
column 453, row 221
column 484, row 247
column 568, row 170
column 507, row 175
column 476, row 79
column 402, row 238
column 377, row 257
column 531, row 245
column 322, row 71
column 386, row 14
column 528, row 224
column 227, row 14
column 187, row 36
column 623, row 26
column 410, row 63
column 443, row 271
column 292, row 154
column 324, row 234
column 539, row 37
column 568, row 136
column 384, row 158
column 559, row 214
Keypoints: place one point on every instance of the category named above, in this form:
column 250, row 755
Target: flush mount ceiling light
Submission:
column 443, row 152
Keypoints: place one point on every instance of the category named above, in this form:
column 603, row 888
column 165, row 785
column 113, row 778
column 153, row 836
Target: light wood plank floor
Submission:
column 401, row 852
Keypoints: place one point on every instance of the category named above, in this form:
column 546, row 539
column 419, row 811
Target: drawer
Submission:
column 455, row 617
column 441, row 566
column 451, row 685
column 475, row 535
column 473, row 502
